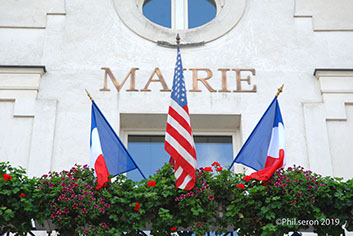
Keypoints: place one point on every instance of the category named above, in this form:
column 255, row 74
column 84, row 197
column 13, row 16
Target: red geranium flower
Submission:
column 22, row 195
column 208, row 169
column 219, row 168
column 173, row 229
column 6, row 177
column 216, row 164
column 240, row 186
column 137, row 206
column 247, row 178
column 151, row 183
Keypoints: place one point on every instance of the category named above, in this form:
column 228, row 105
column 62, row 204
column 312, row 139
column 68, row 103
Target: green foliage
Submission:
column 17, row 206
column 220, row 201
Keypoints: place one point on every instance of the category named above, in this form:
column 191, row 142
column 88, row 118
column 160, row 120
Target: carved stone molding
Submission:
column 29, row 14
column 327, row 15
column 336, row 87
column 21, row 85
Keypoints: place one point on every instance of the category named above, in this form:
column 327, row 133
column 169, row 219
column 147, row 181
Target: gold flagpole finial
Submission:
column 178, row 40
column 89, row 95
column 280, row 90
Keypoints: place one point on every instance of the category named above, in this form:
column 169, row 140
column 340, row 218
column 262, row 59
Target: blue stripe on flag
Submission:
column 93, row 125
column 278, row 116
column 116, row 156
column 253, row 154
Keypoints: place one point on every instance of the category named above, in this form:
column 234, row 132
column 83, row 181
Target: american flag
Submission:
column 179, row 142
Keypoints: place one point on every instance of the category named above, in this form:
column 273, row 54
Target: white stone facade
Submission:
column 45, row 115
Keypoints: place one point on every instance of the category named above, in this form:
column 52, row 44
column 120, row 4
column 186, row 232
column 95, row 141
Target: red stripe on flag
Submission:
column 181, row 140
column 181, row 178
column 186, row 108
column 180, row 160
column 101, row 171
column 171, row 161
column 180, row 119
column 267, row 172
column 270, row 161
column 176, row 165
column 190, row 185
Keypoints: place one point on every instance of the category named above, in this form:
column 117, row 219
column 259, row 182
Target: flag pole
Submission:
column 171, row 160
column 178, row 39
column 280, row 90
column 90, row 97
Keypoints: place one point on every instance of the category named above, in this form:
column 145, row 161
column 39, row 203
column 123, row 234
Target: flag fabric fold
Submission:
column 108, row 154
column 264, row 150
column 179, row 141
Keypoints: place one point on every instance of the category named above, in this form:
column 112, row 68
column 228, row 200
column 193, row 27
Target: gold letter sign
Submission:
column 161, row 80
column 195, row 79
column 118, row 86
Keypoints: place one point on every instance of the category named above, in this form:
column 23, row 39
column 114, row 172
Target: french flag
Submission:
column 108, row 154
column 264, row 150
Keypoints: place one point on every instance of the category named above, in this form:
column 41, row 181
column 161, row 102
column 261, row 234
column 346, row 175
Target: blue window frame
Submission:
column 149, row 154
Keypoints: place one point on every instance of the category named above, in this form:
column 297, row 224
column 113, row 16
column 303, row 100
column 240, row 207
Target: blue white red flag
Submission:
column 179, row 142
column 264, row 150
column 108, row 154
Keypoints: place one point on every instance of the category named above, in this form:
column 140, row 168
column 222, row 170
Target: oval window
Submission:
column 197, row 21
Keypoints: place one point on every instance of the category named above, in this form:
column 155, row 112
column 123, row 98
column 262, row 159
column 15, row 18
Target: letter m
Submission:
column 118, row 86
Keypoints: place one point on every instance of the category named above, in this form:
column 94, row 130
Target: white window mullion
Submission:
column 179, row 14
column 173, row 13
column 186, row 14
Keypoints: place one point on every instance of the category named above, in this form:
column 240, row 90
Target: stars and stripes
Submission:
column 179, row 142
